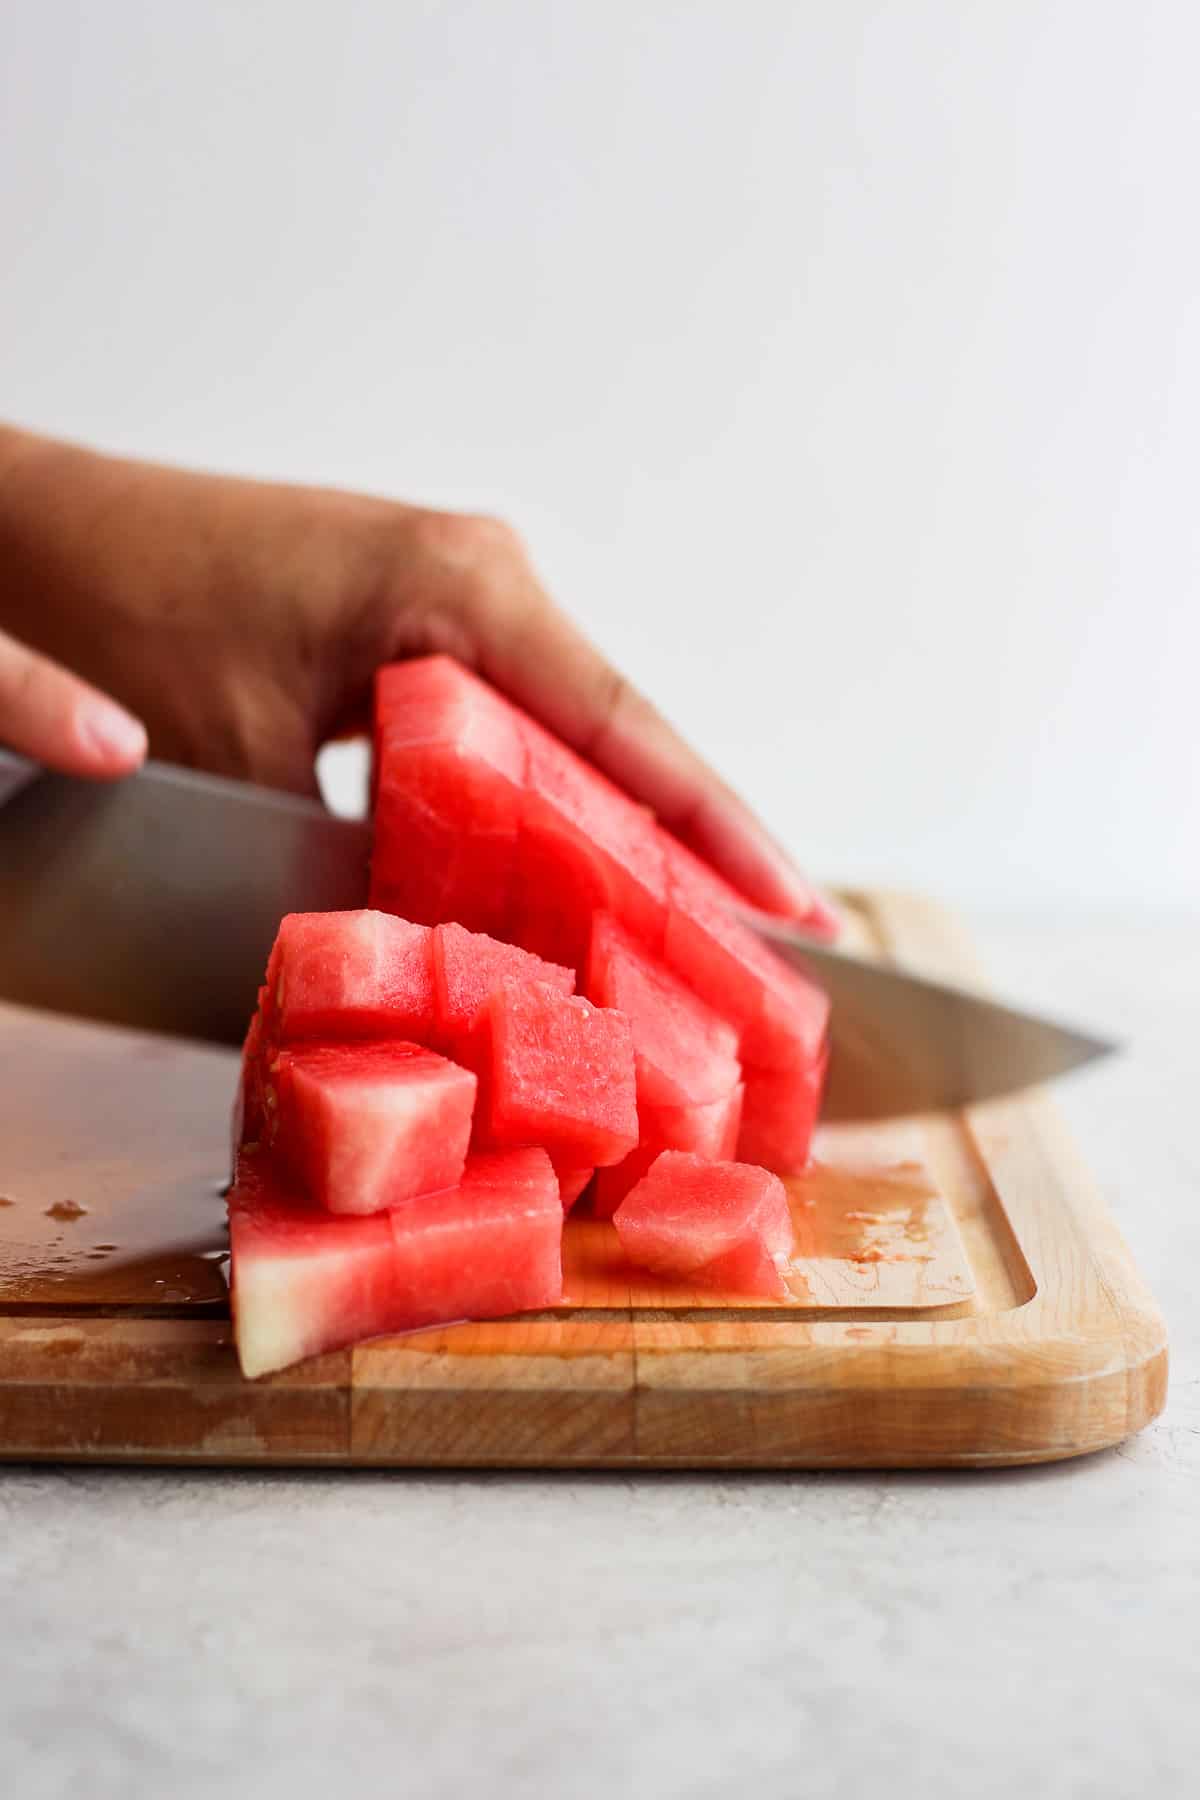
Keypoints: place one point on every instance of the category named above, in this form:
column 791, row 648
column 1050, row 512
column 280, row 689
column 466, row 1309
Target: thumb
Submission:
column 50, row 715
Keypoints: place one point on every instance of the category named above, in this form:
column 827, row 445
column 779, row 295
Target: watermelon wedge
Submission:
column 365, row 1126
column 305, row 1281
column 583, row 846
column 561, row 1075
column 722, row 1224
column 449, row 776
column 302, row 1280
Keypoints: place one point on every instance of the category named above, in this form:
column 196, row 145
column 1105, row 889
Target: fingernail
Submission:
column 111, row 733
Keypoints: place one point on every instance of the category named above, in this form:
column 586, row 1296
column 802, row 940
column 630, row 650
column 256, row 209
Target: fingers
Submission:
column 50, row 715
column 534, row 653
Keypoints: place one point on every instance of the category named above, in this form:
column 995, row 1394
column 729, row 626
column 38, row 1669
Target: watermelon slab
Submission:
column 306, row 1281
column 561, row 1075
column 722, row 1224
column 449, row 775
column 363, row 974
column 365, row 1126
column 684, row 1053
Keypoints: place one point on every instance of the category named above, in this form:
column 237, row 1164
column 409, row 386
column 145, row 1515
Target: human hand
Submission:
column 244, row 622
column 48, row 714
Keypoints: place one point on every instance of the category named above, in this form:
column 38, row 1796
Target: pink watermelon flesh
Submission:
column 306, row 1281
column 489, row 1247
column 449, row 773
column 721, row 1224
column 351, row 975
column 467, row 968
column 365, row 1126
column 571, row 1183
column 248, row 1120
column 684, row 1054
column 710, row 1130
column 781, row 1018
column 303, row 1281
column 560, row 1075
column 780, row 1113
column 584, row 846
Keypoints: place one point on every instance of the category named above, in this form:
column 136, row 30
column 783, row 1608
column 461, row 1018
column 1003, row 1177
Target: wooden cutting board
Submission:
column 960, row 1296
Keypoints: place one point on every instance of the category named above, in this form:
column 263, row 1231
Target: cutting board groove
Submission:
column 986, row 1313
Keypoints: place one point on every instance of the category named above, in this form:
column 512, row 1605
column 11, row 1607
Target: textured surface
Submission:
column 294, row 1635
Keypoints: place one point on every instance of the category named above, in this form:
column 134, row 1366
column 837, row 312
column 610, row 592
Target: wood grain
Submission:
column 960, row 1296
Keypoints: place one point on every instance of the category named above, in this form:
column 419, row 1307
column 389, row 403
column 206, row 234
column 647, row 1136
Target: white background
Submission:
column 840, row 362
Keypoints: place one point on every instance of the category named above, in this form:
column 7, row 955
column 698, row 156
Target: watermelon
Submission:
column 571, row 1183
column 350, row 975
column 779, row 1114
column 560, row 1074
column 781, row 1018
column 711, row 1129
column 583, row 846
column 306, row 1281
column 364, row 1126
column 719, row 1224
column 302, row 1280
column 489, row 1247
column 467, row 967
column 248, row 1116
column 684, row 1053
column 449, row 776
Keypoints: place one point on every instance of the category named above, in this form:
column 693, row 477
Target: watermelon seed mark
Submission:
column 66, row 1209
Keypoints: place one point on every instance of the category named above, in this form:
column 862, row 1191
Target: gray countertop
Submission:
column 286, row 1635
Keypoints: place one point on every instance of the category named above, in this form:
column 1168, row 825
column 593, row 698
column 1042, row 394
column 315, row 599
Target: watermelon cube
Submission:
column 779, row 1114
column 306, row 1281
column 684, row 1053
column 584, row 847
column 491, row 1246
column 302, row 1280
column 365, row 1126
column 781, row 1018
column 449, row 773
column 347, row 975
column 560, row 1074
column 724, row 1225
column 467, row 967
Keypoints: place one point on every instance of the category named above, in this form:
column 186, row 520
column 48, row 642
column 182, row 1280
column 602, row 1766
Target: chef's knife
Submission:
column 154, row 901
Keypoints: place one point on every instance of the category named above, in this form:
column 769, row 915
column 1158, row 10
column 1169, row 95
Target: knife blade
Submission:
column 902, row 1043
column 154, row 902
